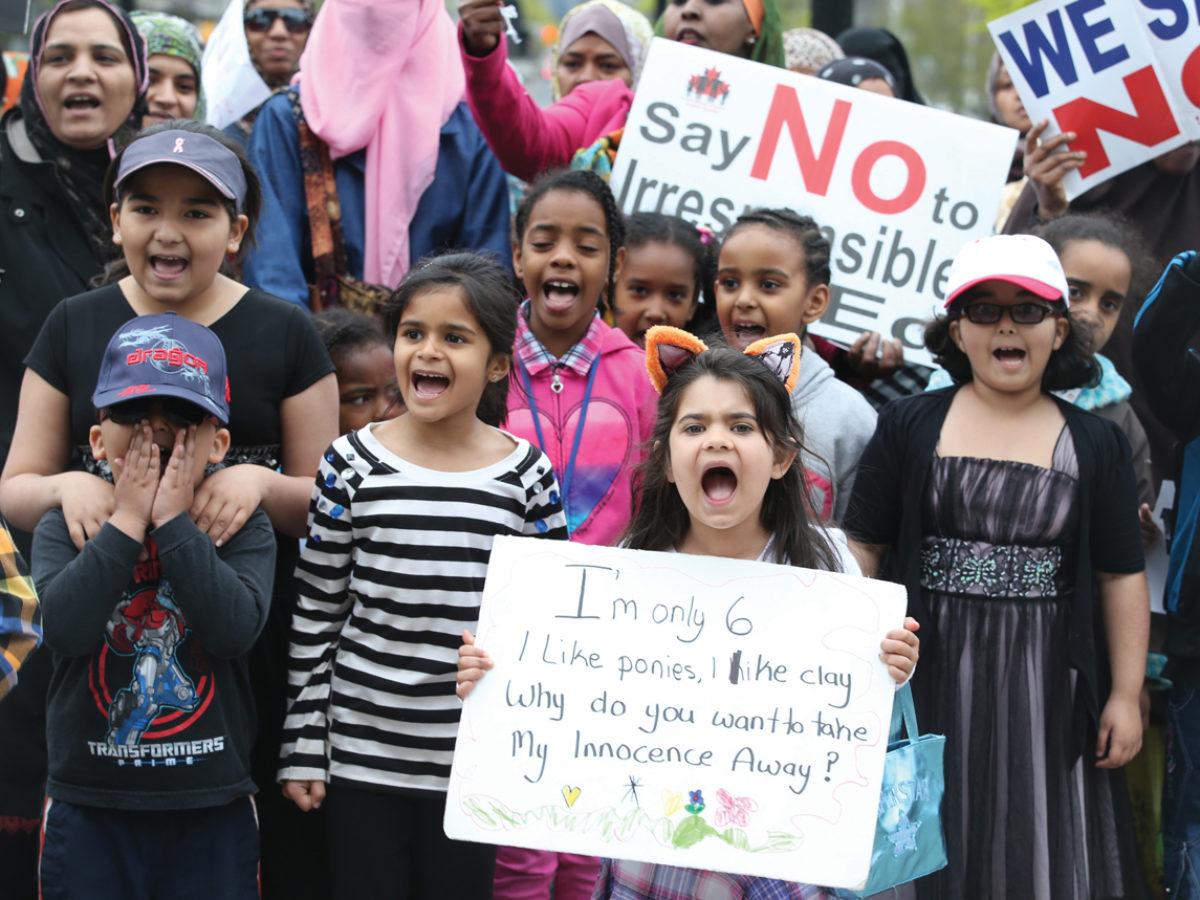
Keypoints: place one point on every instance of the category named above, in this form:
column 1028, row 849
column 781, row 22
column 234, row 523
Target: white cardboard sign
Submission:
column 684, row 710
column 1112, row 71
column 899, row 187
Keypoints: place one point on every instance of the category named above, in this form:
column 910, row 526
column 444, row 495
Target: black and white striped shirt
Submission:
column 390, row 575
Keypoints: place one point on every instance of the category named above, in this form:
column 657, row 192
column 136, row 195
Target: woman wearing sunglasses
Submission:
column 276, row 31
column 1012, row 518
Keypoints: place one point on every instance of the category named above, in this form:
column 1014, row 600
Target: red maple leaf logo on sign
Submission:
column 708, row 86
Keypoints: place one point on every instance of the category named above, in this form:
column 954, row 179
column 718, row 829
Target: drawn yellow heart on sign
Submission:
column 570, row 794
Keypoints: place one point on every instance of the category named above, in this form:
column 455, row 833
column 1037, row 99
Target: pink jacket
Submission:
column 619, row 423
column 529, row 140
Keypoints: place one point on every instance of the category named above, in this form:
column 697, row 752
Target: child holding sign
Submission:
column 1003, row 506
column 773, row 277
column 722, row 481
column 583, row 396
column 402, row 521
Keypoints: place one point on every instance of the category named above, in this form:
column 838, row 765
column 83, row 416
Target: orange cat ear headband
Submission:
column 668, row 349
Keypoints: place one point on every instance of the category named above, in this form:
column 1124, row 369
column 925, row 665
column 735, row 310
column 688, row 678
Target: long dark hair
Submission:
column 488, row 292
column 582, row 182
column 661, row 521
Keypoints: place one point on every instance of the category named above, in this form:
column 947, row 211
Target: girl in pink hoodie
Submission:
column 582, row 394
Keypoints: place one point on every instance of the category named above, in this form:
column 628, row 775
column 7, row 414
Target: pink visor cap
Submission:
column 1020, row 259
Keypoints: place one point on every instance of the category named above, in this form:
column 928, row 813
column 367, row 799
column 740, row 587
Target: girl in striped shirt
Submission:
column 402, row 522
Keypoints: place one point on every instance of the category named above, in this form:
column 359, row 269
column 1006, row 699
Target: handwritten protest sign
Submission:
column 898, row 187
column 709, row 713
column 232, row 86
column 1090, row 66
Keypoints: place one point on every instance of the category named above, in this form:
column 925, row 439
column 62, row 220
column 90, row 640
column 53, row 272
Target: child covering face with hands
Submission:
column 149, row 706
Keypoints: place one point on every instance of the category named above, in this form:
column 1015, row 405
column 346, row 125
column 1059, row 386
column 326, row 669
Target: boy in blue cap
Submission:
column 149, row 716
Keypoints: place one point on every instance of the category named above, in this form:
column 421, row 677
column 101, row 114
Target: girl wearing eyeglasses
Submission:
column 1011, row 517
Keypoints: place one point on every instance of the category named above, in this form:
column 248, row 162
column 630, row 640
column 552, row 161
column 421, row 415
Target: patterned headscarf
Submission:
column 165, row 33
column 81, row 172
column 808, row 50
column 626, row 29
column 768, row 36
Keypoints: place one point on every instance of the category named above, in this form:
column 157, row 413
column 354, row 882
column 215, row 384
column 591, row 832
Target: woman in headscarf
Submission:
column 173, row 51
column 410, row 173
column 597, row 41
column 885, row 48
column 81, row 96
column 807, row 50
column 529, row 140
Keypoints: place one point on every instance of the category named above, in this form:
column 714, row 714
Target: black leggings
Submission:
column 385, row 845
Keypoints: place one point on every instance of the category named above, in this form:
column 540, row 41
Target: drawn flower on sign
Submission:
column 672, row 802
column 734, row 810
column 697, row 802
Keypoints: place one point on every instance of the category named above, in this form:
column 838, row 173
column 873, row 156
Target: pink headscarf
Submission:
column 384, row 75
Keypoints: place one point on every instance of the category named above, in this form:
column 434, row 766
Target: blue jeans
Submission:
column 1181, row 794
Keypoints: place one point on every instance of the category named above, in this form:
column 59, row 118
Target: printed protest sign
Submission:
column 710, row 713
column 1173, row 27
column 898, row 187
column 1089, row 66
column 232, row 86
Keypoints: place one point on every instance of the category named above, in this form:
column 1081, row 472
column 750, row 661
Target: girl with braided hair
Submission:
column 580, row 391
column 773, row 278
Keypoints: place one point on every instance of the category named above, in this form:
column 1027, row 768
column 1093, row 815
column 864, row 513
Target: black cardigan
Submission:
column 886, row 508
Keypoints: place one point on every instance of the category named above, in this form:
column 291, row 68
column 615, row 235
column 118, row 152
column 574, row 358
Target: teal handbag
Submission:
column 909, row 842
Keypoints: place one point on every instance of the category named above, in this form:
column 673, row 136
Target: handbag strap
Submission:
column 908, row 711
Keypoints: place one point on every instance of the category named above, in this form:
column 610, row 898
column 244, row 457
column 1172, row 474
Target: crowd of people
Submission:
column 270, row 392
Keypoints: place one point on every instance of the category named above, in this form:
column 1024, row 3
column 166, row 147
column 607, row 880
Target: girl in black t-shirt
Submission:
column 182, row 199
column 175, row 227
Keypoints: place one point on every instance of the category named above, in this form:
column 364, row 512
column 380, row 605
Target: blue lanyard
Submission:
column 565, row 484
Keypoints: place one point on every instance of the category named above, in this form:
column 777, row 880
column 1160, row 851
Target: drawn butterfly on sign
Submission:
column 734, row 810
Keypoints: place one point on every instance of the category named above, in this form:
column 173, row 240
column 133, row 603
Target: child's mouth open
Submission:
column 719, row 484
column 560, row 295
column 1009, row 357
column 168, row 266
column 428, row 386
column 746, row 333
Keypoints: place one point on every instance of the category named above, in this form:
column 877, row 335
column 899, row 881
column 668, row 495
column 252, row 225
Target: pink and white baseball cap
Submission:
column 1021, row 259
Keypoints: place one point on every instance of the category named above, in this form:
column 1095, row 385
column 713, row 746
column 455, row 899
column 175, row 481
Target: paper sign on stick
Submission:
column 1088, row 66
column 898, row 187
column 685, row 710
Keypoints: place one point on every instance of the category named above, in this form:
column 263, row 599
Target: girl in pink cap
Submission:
column 1011, row 517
